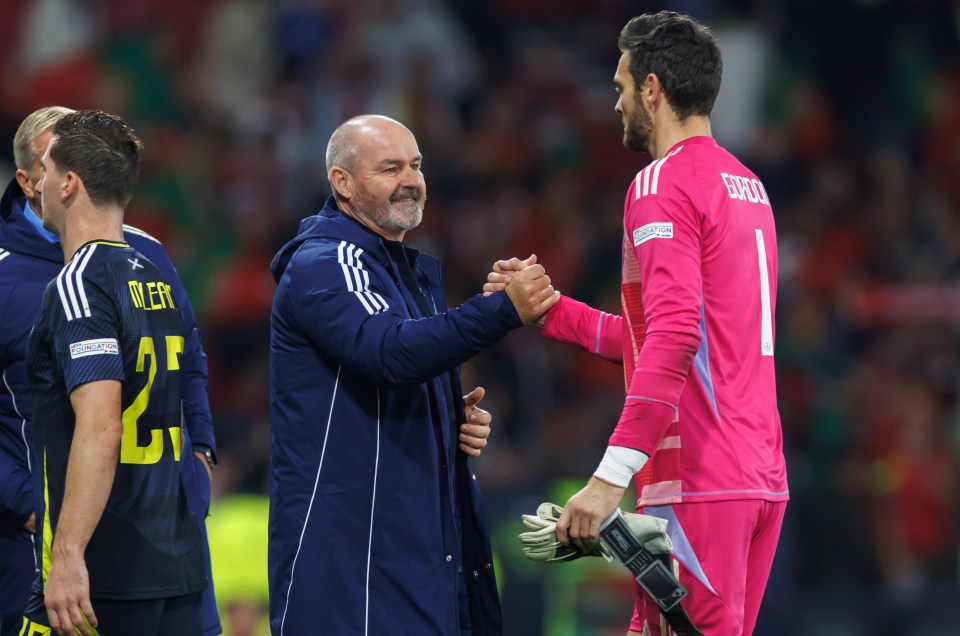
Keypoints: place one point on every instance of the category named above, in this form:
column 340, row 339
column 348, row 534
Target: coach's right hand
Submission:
column 503, row 270
column 531, row 293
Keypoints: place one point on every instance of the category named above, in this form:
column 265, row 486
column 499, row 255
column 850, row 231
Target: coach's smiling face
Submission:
column 383, row 187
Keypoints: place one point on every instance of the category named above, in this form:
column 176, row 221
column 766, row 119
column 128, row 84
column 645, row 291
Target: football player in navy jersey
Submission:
column 30, row 257
column 119, row 550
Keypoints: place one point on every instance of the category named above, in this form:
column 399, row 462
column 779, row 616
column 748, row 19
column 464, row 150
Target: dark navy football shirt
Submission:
column 109, row 315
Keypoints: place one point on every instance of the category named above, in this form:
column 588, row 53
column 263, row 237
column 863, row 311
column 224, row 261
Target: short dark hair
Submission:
column 104, row 152
column 681, row 52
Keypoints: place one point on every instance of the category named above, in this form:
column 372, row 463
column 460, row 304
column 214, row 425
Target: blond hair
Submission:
column 36, row 123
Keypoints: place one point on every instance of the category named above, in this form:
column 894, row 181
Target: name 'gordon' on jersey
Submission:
column 745, row 188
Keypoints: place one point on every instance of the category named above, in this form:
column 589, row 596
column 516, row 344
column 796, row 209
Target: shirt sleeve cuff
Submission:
column 619, row 465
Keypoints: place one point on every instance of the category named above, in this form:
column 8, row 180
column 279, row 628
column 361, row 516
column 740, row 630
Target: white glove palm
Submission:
column 541, row 544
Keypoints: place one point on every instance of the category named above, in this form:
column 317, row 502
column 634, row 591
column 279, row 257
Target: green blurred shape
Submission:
column 140, row 64
column 237, row 527
column 563, row 580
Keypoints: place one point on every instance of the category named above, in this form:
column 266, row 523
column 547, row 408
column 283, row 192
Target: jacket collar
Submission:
column 17, row 233
column 331, row 223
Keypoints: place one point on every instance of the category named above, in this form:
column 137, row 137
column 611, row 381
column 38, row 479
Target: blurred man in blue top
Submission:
column 30, row 257
column 376, row 525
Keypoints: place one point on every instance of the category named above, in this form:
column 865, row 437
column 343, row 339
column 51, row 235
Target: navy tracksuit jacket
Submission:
column 376, row 524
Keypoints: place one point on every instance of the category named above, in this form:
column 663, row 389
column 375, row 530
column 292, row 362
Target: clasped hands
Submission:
column 527, row 285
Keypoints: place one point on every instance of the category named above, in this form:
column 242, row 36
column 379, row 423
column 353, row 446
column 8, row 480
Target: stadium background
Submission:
column 849, row 111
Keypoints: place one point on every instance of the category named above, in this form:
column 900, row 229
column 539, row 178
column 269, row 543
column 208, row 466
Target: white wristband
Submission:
column 619, row 465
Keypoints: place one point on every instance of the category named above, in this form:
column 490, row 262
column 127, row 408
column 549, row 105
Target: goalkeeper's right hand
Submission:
column 541, row 544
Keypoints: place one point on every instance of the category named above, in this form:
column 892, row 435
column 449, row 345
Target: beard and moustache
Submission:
column 403, row 211
column 637, row 127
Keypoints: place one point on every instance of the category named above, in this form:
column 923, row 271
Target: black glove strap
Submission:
column 680, row 622
column 650, row 570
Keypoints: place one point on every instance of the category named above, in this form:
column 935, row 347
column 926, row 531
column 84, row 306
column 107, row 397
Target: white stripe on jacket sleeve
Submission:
column 358, row 279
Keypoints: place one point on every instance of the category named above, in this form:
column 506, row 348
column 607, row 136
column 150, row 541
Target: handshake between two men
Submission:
column 528, row 286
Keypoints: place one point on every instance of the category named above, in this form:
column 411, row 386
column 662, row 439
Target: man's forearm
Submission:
column 90, row 472
column 196, row 406
column 196, row 414
column 16, row 496
column 580, row 325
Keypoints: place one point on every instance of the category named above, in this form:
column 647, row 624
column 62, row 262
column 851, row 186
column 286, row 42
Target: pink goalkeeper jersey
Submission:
column 696, row 335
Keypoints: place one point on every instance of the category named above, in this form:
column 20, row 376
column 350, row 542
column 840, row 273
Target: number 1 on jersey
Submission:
column 766, row 315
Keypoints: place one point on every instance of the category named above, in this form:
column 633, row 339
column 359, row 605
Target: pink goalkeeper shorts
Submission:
column 722, row 553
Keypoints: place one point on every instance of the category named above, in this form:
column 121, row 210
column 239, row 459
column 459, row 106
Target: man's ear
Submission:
column 342, row 182
column 653, row 91
column 23, row 180
column 70, row 186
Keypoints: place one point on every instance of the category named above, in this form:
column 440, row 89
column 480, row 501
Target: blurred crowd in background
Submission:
column 849, row 111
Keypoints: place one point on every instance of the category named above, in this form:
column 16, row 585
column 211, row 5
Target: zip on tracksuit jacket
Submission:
column 376, row 524
column 27, row 263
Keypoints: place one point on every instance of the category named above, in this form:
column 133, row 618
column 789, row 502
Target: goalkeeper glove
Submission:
column 541, row 544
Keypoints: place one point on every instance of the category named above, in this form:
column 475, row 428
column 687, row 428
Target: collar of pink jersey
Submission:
column 699, row 140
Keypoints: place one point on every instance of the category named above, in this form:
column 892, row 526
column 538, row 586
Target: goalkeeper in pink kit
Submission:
column 699, row 432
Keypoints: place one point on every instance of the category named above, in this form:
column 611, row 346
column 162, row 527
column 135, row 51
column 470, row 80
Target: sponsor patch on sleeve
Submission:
column 652, row 231
column 94, row 348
